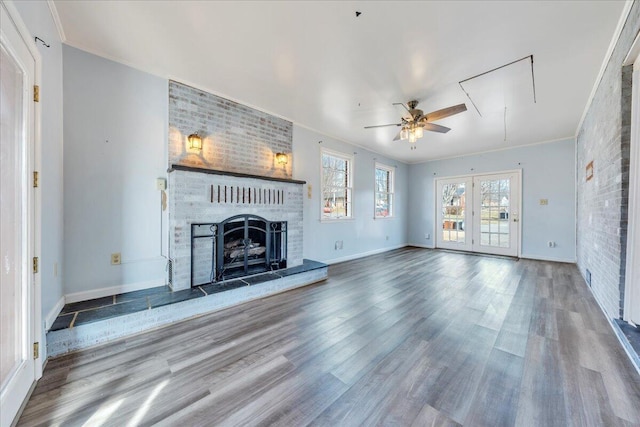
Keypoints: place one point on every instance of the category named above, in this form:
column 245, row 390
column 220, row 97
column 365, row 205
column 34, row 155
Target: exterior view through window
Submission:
column 337, row 189
column 453, row 212
column 384, row 191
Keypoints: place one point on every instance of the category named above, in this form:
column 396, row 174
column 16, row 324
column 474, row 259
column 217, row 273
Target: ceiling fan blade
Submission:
column 435, row 128
column 445, row 112
column 382, row 126
column 397, row 137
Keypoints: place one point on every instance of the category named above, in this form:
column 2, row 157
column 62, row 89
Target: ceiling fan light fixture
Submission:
column 412, row 137
column 419, row 131
column 404, row 134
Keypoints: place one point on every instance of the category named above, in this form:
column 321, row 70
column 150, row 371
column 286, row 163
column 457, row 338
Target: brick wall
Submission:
column 604, row 138
column 190, row 202
column 236, row 138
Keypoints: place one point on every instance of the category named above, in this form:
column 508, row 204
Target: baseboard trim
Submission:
column 53, row 313
column 417, row 245
column 548, row 258
column 113, row 290
column 364, row 254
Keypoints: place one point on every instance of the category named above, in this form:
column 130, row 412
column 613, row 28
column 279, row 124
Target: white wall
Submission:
column 548, row 172
column 363, row 234
column 37, row 18
column 115, row 130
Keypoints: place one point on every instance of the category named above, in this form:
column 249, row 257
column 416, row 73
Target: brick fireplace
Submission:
column 195, row 198
column 234, row 173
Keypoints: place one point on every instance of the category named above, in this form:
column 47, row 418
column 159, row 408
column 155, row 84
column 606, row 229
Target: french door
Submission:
column 17, row 224
column 479, row 213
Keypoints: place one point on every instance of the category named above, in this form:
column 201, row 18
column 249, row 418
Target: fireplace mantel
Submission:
column 234, row 174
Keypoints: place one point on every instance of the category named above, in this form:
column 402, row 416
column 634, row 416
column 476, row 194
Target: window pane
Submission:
column 336, row 180
column 383, row 191
column 383, row 204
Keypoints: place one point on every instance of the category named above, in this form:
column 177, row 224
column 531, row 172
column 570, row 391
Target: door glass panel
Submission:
column 11, row 218
column 453, row 211
column 494, row 212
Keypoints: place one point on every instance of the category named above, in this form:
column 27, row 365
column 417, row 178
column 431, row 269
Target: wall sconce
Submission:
column 282, row 159
column 195, row 142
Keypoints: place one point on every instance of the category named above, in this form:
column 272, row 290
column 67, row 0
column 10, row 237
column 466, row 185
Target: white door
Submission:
column 454, row 213
column 496, row 214
column 479, row 213
column 17, row 365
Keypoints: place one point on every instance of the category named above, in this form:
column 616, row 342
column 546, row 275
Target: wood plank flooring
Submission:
column 409, row 337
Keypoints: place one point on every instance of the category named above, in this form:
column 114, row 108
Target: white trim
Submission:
column 392, row 178
column 112, row 290
column 634, row 52
column 631, row 313
column 34, row 164
column 417, row 245
column 53, row 313
column 605, row 61
column 517, row 172
column 350, row 158
column 13, row 400
column 548, row 258
column 335, row 220
column 56, row 19
column 365, row 254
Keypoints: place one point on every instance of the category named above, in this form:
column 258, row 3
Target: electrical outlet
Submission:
column 339, row 244
column 309, row 191
column 387, row 238
column 55, row 269
column 551, row 244
column 115, row 258
column 427, row 236
column 161, row 184
column 544, row 202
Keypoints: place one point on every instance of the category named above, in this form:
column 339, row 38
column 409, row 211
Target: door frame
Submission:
column 471, row 175
column 632, row 274
column 34, row 233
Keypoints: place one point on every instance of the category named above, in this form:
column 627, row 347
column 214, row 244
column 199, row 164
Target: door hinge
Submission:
column 35, row 179
column 36, row 93
column 35, row 264
column 36, row 350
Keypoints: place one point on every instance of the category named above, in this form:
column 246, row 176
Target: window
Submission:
column 336, row 181
column 384, row 191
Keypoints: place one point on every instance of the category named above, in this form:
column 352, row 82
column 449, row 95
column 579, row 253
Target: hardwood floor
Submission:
column 409, row 337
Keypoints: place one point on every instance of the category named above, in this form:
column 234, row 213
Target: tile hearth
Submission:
column 87, row 323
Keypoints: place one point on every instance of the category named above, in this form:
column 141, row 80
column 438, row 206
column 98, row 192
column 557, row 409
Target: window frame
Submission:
column 391, row 170
column 349, row 187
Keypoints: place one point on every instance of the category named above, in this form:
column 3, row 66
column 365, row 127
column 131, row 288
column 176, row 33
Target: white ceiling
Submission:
column 316, row 64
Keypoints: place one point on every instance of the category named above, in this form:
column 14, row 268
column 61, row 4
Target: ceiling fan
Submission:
column 413, row 126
